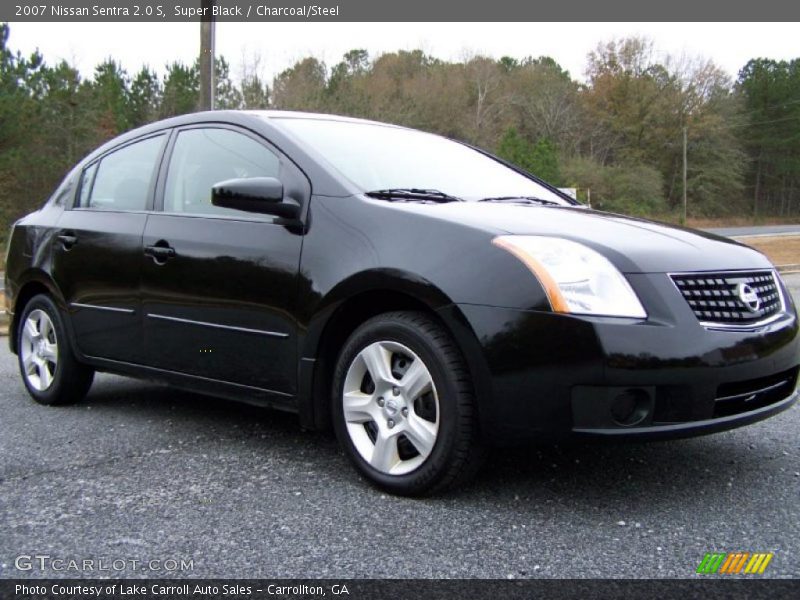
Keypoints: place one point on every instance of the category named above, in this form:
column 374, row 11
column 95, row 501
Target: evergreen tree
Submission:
column 540, row 158
column 180, row 90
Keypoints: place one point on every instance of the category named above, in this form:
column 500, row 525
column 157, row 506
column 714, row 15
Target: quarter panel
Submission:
column 29, row 258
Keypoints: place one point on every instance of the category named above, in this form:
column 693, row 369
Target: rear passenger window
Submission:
column 203, row 157
column 122, row 178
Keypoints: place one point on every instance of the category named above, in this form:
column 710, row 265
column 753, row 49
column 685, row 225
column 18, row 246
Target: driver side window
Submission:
column 204, row 157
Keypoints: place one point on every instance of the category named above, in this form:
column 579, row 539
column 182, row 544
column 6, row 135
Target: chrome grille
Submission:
column 715, row 298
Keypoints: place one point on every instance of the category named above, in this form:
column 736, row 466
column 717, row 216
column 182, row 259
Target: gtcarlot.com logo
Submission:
column 734, row 563
column 46, row 562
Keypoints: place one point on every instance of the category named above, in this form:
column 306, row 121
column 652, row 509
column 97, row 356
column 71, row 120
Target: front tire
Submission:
column 403, row 405
column 49, row 369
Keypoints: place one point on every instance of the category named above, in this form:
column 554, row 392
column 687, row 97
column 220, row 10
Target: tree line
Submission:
column 617, row 135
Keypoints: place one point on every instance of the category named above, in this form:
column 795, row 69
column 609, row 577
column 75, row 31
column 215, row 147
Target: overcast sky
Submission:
column 279, row 45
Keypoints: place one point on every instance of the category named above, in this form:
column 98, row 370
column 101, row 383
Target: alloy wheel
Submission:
column 391, row 407
column 39, row 350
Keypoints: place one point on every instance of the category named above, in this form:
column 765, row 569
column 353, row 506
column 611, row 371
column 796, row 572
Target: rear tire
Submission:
column 51, row 372
column 404, row 406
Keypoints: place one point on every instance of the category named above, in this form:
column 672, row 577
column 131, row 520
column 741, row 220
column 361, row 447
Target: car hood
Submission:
column 633, row 245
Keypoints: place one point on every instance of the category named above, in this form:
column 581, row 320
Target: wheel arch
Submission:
column 32, row 283
column 353, row 302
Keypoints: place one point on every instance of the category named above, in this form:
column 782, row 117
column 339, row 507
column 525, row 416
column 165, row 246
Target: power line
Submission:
column 780, row 104
column 781, row 120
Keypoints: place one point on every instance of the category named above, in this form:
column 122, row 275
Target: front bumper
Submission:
column 544, row 375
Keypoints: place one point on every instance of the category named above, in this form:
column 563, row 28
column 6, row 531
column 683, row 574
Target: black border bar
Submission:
column 264, row 11
column 707, row 587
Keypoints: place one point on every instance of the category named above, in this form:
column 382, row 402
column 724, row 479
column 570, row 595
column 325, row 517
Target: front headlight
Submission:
column 576, row 278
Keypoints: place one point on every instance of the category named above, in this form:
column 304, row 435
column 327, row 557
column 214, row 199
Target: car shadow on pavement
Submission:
column 133, row 401
column 580, row 475
column 596, row 479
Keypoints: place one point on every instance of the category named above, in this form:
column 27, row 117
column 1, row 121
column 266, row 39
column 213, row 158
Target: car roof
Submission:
column 257, row 121
column 296, row 114
column 242, row 117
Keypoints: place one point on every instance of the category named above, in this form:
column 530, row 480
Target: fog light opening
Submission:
column 630, row 408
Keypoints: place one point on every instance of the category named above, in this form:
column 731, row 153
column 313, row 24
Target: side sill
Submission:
column 202, row 385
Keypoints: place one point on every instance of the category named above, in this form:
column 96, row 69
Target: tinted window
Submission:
column 123, row 177
column 203, row 157
column 376, row 157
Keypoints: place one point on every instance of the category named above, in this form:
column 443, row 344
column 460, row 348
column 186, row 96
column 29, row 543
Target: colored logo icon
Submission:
column 733, row 563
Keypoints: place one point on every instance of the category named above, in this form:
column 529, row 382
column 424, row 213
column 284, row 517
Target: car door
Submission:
column 98, row 248
column 219, row 285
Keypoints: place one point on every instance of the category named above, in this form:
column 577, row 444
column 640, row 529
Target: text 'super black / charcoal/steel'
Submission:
column 422, row 297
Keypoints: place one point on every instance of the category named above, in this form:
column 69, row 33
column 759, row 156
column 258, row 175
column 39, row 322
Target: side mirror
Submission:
column 255, row 194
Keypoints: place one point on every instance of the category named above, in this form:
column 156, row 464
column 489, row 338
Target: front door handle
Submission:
column 160, row 252
column 68, row 240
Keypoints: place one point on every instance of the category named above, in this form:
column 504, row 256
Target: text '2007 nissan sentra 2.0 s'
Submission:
column 421, row 296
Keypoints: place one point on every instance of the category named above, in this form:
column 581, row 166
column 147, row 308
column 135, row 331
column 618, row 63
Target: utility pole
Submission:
column 683, row 220
column 207, row 27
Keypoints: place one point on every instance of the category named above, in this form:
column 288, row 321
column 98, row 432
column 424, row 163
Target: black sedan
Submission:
column 421, row 296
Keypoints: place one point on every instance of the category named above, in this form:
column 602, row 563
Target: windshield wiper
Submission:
column 413, row 194
column 522, row 200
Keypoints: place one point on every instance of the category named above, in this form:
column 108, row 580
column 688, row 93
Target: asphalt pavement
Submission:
column 140, row 472
column 755, row 230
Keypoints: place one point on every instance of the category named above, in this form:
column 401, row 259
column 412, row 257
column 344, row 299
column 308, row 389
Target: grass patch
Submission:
column 781, row 250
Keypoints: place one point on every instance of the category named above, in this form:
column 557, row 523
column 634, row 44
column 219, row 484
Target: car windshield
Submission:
column 384, row 157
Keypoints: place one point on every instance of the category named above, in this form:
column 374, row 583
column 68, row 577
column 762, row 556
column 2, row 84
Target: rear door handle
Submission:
column 68, row 240
column 160, row 252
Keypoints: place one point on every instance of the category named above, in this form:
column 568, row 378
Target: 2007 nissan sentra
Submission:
column 423, row 297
